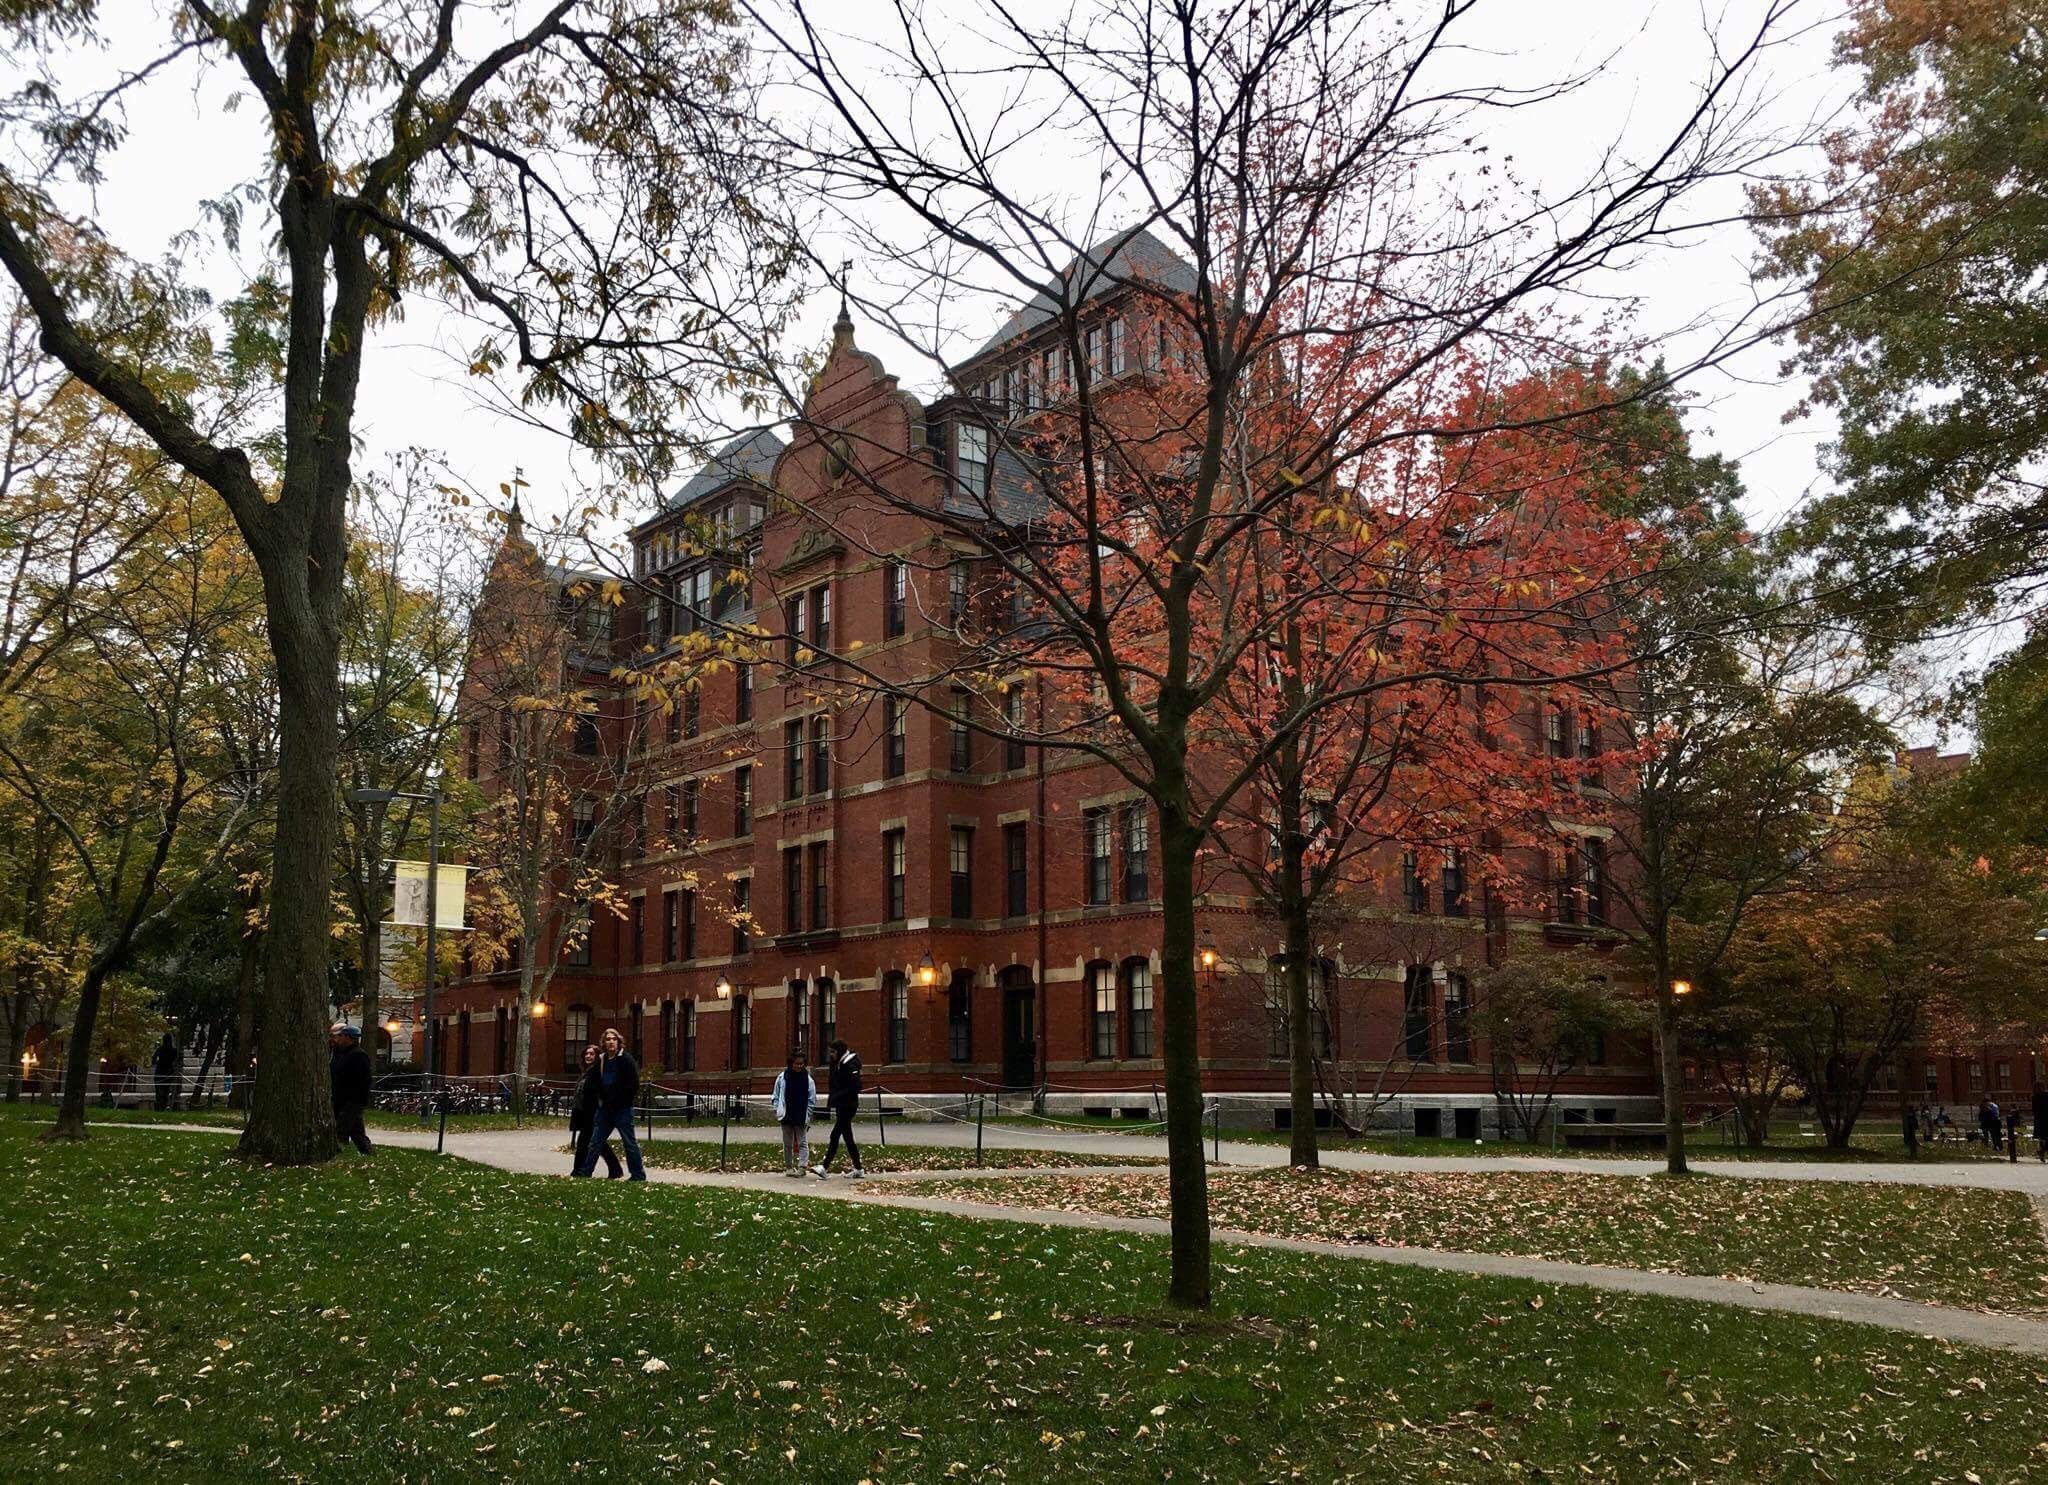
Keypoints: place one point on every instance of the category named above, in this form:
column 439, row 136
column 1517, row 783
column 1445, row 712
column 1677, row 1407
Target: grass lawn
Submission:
column 169, row 1313
column 762, row 1155
column 1955, row 1246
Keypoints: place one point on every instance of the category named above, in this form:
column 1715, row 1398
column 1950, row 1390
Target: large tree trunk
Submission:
column 1301, row 1089
column 1672, row 1073
column 78, row 1061
column 17, row 1034
column 522, row 1034
column 291, row 1117
column 1187, row 1174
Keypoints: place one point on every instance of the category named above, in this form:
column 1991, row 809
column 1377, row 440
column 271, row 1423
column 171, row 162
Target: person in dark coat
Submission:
column 2012, row 1133
column 842, row 1098
column 2041, row 1121
column 165, row 1065
column 1988, row 1123
column 348, row 1074
column 618, row 1077
column 583, row 1116
column 1909, row 1123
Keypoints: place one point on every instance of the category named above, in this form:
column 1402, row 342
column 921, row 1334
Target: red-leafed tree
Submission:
column 1313, row 266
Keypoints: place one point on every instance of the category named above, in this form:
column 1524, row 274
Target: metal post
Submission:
column 433, row 911
column 1216, row 1133
column 980, row 1113
column 441, row 1140
column 724, row 1128
column 881, row 1118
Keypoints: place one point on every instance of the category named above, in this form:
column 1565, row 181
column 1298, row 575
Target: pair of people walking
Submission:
column 605, row 1097
column 796, row 1095
column 348, row 1080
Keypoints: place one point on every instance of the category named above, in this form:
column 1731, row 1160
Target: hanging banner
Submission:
column 409, row 895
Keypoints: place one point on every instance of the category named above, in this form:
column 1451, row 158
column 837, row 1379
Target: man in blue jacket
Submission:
column 619, row 1077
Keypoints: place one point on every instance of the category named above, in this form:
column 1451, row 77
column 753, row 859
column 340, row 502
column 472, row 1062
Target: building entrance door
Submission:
column 1020, row 1031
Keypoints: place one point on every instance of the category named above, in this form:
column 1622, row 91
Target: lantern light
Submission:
column 927, row 971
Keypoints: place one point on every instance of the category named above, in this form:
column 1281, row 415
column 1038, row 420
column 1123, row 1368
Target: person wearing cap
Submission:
column 348, row 1076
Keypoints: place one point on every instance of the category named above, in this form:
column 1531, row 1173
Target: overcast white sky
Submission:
column 187, row 145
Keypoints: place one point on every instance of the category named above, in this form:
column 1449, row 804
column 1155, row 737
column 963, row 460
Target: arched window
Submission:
column 1138, row 1004
column 828, row 1017
column 1101, row 1011
column 742, row 1033
column 896, row 1007
column 960, row 1016
column 1321, row 973
column 575, row 1037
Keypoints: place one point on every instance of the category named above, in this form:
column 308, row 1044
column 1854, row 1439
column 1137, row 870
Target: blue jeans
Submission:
column 607, row 1122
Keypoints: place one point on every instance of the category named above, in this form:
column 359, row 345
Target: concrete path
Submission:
column 537, row 1152
column 2028, row 1176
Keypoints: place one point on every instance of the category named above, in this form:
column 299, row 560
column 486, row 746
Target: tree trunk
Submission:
column 1187, row 1174
column 522, row 1034
column 248, row 984
column 78, row 1061
column 17, row 1035
column 291, row 1117
column 1301, row 1093
column 1672, row 1074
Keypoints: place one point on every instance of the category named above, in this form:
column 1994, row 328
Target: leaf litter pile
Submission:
column 1957, row 1246
column 168, row 1313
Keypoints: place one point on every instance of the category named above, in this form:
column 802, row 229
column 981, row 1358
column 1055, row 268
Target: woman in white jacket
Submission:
column 795, row 1096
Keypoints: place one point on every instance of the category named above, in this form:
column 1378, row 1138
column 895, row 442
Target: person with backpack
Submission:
column 618, row 1077
column 842, row 1097
column 583, row 1117
column 794, row 1097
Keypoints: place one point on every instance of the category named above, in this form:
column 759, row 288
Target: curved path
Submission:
column 538, row 1152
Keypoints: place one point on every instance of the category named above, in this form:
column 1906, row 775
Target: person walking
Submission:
column 795, row 1095
column 1909, row 1122
column 842, row 1097
column 348, row 1075
column 583, row 1117
column 165, row 1066
column 618, row 1077
column 1988, row 1123
column 2041, row 1120
column 2012, row 1134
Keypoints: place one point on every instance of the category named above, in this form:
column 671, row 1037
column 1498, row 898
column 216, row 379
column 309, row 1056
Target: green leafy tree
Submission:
column 1546, row 1015
column 1924, row 249
column 585, row 180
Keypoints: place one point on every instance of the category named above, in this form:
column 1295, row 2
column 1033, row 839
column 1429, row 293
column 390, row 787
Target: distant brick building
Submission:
column 965, row 909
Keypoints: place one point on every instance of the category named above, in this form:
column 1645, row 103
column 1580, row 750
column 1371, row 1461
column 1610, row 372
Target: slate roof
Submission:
column 749, row 456
column 1109, row 265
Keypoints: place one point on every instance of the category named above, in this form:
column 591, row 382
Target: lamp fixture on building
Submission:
column 540, row 1008
column 927, row 971
column 1681, row 987
column 1208, row 957
column 724, row 988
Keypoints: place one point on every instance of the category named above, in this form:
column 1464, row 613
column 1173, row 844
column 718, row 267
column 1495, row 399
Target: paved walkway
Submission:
column 2029, row 1175
column 538, row 1152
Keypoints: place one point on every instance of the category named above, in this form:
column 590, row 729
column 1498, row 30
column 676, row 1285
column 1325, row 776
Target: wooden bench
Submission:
column 1617, row 1135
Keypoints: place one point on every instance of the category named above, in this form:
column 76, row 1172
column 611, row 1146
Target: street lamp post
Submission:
column 432, row 800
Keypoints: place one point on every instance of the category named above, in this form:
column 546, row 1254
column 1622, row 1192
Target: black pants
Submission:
column 842, row 1128
column 612, row 1169
column 348, row 1123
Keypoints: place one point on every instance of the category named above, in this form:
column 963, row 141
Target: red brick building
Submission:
column 963, row 908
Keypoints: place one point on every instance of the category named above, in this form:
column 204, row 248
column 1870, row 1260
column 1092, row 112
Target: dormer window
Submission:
column 970, row 460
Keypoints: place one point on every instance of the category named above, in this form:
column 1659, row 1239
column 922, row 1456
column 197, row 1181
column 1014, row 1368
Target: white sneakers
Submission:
column 821, row 1173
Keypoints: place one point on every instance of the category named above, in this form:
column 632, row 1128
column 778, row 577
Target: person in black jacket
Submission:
column 583, row 1116
column 2041, row 1121
column 842, row 1097
column 165, row 1065
column 618, row 1077
column 348, row 1073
